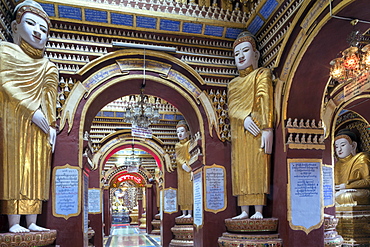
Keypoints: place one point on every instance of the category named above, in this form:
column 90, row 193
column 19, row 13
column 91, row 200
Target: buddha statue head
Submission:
column 345, row 143
column 30, row 26
column 246, row 53
column 182, row 130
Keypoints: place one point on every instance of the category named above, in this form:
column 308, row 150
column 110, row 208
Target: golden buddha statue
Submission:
column 250, row 103
column 28, row 93
column 351, row 171
column 184, row 182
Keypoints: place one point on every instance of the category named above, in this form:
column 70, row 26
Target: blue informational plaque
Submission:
column 328, row 185
column 198, row 197
column 66, row 191
column 305, row 188
column 215, row 188
column 170, row 200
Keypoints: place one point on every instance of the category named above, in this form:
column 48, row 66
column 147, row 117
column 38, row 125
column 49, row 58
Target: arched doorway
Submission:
column 105, row 80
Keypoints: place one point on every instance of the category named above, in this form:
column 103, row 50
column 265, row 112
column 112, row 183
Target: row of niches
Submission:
column 304, row 138
column 77, row 48
column 267, row 61
column 219, row 100
column 69, row 57
column 128, row 34
column 210, row 80
column 309, row 123
column 101, row 47
column 270, row 40
column 206, row 60
column 188, row 9
column 63, row 68
column 121, row 104
column 221, row 71
column 279, row 21
column 305, row 134
column 170, row 149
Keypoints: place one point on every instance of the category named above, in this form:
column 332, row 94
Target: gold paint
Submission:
column 26, row 85
column 306, row 146
column 80, row 192
column 71, row 104
column 211, row 114
column 205, row 189
column 289, row 215
column 305, row 131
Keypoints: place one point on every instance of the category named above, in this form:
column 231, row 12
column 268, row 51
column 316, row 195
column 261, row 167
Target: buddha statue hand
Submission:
column 39, row 119
column 52, row 138
column 186, row 168
column 251, row 126
column 340, row 186
column 340, row 192
column 267, row 140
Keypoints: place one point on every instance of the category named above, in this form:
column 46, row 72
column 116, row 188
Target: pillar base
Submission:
column 255, row 240
column 28, row 238
column 156, row 227
column 354, row 225
column 183, row 232
column 331, row 237
column 251, row 232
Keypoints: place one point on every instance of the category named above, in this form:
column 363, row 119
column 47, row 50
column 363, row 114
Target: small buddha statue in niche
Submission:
column 351, row 171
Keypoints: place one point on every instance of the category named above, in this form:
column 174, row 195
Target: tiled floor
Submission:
column 131, row 236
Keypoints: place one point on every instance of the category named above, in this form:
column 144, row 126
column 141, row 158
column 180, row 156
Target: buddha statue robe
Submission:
column 184, row 183
column 354, row 172
column 26, row 85
column 250, row 94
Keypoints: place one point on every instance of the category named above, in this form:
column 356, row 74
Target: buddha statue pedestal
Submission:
column 251, row 232
column 354, row 225
column 156, row 223
column 143, row 221
column 183, row 231
column 28, row 238
column 331, row 237
column 134, row 217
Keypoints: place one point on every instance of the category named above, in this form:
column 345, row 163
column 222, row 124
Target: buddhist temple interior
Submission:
column 133, row 73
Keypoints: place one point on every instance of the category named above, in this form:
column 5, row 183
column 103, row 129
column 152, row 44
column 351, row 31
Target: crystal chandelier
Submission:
column 132, row 162
column 141, row 113
column 355, row 61
column 352, row 64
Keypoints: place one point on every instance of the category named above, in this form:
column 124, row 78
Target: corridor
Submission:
column 130, row 236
